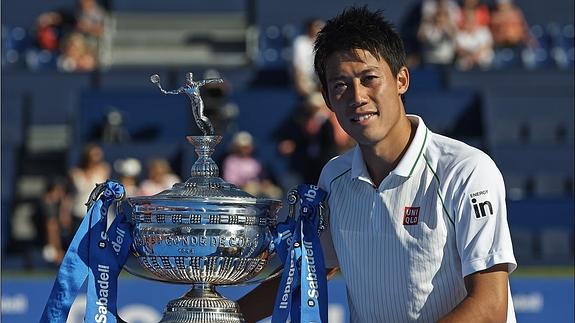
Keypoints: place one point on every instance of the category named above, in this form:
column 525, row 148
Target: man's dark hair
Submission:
column 359, row 28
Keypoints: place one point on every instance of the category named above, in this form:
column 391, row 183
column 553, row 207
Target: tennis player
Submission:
column 418, row 224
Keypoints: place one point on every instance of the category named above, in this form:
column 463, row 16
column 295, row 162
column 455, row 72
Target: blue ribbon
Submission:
column 97, row 253
column 302, row 294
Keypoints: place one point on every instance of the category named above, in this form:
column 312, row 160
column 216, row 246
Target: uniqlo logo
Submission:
column 410, row 215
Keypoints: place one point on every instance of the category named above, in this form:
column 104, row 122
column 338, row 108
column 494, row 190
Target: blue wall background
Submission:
column 141, row 301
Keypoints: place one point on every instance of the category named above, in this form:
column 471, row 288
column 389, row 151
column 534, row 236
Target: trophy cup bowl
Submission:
column 204, row 232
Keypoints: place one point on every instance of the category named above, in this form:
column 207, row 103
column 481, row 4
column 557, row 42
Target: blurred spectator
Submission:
column 437, row 37
column 55, row 211
column 76, row 55
column 308, row 139
column 160, row 178
column 92, row 170
column 473, row 43
column 481, row 11
column 512, row 38
column 90, row 19
column 509, row 27
column 305, row 80
column 128, row 171
column 52, row 27
column 243, row 170
column 113, row 130
column 217, row 106
column 72, row 35
column 429, row 9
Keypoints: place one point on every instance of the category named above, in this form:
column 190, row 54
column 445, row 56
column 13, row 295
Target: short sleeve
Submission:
column 482, row 231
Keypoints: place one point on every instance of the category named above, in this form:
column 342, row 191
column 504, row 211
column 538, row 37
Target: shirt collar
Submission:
column 408, row 162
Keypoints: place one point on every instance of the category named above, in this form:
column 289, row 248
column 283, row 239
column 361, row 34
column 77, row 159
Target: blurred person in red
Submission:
column 473, row 44
column 52, row 27
column 160, row 177
column 481, row 11
column 514, row 44
column 509, row 27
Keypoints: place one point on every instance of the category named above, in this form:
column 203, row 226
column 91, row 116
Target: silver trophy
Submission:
column 204, row 232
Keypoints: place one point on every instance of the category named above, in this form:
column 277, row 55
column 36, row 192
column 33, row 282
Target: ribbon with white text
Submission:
column 97, row 253
column 302, row 295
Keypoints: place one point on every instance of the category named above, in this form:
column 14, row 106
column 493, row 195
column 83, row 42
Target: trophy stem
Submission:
column 202, row 304
column 205, row 146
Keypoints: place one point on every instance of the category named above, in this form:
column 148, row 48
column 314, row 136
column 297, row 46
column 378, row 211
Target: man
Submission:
column 417, row 220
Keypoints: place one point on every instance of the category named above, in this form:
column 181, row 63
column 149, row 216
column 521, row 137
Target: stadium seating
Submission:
column 523, row 114
column 147, row 115
column 442, row 109
column 542, row 230
column 262, row 111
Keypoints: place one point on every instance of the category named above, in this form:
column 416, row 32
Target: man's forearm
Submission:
column 487, row 297
column 472, row 310
column 258, row 303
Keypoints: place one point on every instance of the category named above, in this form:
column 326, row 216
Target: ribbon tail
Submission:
column 315, row 297
column 72, row 274
column 284, row 295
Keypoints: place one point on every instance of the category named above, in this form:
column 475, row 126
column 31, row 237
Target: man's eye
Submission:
column 369, row 78
column 339, row 86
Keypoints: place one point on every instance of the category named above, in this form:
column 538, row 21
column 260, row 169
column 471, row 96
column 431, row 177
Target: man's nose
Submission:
column 358, row 94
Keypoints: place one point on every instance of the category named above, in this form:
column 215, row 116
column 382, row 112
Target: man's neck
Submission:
column 381, row 158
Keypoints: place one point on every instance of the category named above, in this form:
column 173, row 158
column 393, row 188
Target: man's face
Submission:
column 364, row 94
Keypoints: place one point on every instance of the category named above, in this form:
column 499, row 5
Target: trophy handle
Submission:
column 293, row 198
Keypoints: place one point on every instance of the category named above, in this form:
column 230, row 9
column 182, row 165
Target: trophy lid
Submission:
column 204, row 184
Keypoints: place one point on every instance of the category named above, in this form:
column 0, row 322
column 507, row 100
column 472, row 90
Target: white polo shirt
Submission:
column 404, row 247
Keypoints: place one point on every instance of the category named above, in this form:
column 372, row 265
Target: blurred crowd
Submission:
column 63, row 205
column 68, row 38
column 470, row 34
column 466, row 34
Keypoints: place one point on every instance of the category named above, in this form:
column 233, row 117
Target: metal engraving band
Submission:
column 191, row 218
column 211, row 270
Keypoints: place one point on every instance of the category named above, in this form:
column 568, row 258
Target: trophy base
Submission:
column 202, row 304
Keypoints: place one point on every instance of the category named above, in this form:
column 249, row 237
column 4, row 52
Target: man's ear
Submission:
column 402, row 80
column 325, row 98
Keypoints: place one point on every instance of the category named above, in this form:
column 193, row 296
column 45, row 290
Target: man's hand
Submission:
column 258, row 304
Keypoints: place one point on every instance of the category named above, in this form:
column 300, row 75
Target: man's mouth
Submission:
column 363, row 117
